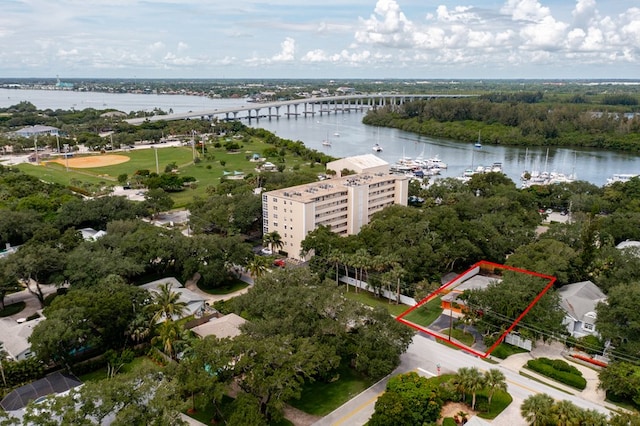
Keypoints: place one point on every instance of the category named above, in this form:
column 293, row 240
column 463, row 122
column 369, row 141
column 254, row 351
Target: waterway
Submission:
column 348, row 136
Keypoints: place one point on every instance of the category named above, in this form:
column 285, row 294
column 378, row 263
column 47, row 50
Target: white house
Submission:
column 196, row 304
column 579, row 301
column 15, row 337
column 36, row 130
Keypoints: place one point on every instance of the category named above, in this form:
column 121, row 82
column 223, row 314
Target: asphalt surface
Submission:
column 425, row 354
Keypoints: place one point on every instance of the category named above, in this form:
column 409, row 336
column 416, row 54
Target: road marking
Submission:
column 426, row 372
column 359, row 408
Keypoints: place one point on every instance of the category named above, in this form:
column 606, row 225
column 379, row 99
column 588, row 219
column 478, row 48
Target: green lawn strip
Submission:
column 236, row 285
column 55, row 174
column 425, row 314
column 320, row 398
column 367, row 298
column 101, row 373
column 499, row 402
column 505, row 350
column 448, row 421
column 12, row 309
column 544, row 382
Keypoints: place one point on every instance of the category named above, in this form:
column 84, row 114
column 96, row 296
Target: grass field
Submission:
column 425, row 314
column 367, row 298
column 207, row 172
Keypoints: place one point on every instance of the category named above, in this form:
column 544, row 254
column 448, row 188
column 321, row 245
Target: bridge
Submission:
column 296, row 107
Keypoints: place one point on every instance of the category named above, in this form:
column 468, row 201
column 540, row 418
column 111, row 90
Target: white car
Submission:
column 267, row 251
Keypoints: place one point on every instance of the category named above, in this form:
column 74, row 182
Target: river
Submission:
column 348, row 136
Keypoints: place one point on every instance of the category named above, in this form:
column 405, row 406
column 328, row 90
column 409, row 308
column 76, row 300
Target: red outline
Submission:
column 480, row 264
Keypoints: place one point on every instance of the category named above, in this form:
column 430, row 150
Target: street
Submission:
column 423, row 356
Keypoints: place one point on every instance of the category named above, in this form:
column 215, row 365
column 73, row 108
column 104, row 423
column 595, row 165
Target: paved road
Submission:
column 423, row 356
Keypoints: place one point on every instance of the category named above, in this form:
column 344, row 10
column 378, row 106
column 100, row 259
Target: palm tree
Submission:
column 169, row 333
column 494, row 380
column 593, row 418
column 258, row 266
column 138, row 329
column 273, row 240
column 475, row 382
column 565, row 413
column 335, row 257
column 536, row 409
column 166, row 303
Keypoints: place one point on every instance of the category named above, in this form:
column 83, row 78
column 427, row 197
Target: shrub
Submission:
column 560, row 371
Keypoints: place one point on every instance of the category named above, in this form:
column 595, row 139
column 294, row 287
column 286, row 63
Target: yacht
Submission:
column 377, row 148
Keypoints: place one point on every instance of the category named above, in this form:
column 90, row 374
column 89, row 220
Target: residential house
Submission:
column 15, row 336
column 472, row 280
column 223, row 327
column 579, row 301
column 37, row 130
column 196, row 304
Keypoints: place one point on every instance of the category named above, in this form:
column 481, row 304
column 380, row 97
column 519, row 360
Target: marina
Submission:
column 595, row 166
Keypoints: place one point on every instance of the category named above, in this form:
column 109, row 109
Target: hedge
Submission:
column 558, row 370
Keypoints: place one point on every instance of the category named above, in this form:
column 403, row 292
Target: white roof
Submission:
column 477, row 282
column 628, row 244
column 15, row 337
column 226, row 326
column 193, row 300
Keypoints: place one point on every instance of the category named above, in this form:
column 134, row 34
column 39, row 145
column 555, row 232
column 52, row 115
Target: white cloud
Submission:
column 525, row 10
column 287, row 51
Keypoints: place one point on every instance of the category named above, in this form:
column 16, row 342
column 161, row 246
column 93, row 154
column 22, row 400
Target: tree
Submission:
column 36, row 264
column 547, row 256
column 157, row 200
column 408, row 400
column 494, row 380
column 8, row 282
column 169, row 334
column 273, row 240
column 619, row 319
column 87, row 318
column 470, row 380
column 165, row 304
column 537, row 409
column 565, row 413
column 621, row 380
column 258, row 266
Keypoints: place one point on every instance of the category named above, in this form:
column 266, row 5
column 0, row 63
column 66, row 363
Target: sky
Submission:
column 368, row 39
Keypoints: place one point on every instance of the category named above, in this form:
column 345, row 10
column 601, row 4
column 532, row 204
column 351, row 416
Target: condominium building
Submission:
column 344, row 204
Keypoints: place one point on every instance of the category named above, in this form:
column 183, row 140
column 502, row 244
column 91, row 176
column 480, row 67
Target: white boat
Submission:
column 478, row 144
column 435, row 162
column 326, row 143
column 377, row 148
column 621, row 177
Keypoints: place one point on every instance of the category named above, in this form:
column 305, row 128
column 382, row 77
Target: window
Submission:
column 275, row 216
column 588, row 326
column 275, row 223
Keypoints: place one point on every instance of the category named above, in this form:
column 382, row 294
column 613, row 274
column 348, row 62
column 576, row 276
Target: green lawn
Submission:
column 505, row 350
column 367, row 298
column 425, row 314
column 499, row 402
column 101, row 373
column 236, row 285
column 321, row 398
column 207, row 172
column 12, row 309
column 210, row 415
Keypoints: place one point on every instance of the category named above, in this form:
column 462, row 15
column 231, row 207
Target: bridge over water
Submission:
column 296, row 107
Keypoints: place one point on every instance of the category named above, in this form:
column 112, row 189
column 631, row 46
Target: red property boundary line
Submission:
column 487, row 265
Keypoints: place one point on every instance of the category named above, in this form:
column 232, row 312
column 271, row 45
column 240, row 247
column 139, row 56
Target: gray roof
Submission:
column 15, row 337
column 579, row 299
column 195, row 302
column 54, row 383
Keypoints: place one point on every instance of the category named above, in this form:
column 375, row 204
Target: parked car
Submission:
column 280, row 263
column 267, row 251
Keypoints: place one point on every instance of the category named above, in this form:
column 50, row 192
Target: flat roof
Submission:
column 363, row 161
column 226, row 326
column 310, row 191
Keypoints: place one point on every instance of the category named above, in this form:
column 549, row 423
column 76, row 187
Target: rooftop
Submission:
column 226, row 326
column 312, row 191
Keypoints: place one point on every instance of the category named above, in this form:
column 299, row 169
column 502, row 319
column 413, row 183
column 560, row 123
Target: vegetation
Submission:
column 542, row 410
column 559, row 370
column 410, row 399
column 527, row 119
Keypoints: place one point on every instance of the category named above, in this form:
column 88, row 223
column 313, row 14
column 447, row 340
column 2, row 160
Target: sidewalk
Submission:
column 212, row 298
column 556, row 350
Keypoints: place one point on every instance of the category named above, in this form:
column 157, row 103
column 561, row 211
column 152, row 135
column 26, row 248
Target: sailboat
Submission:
column 336, row 133
column 326, row 142
column 478, row 144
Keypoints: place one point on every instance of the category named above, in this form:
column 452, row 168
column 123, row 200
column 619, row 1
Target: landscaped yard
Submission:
column 367, row 298
column 504, row 350
column 236, row 285
column 425, row 314
column 12, row 309
column 101, row 373
column 321, row 398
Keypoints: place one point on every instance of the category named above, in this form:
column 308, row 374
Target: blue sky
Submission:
column 419, row 39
